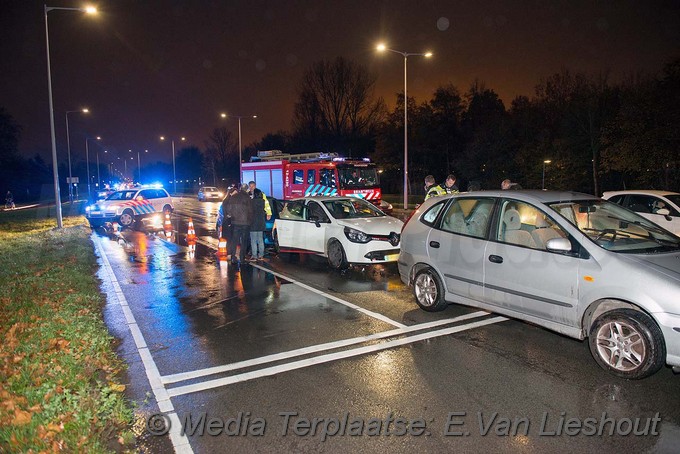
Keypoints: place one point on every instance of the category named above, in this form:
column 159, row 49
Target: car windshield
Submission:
column 122, row 195
column 615, row 228
column 209, row 189
column 675, row 198
column 352, row 208
column 358, row 176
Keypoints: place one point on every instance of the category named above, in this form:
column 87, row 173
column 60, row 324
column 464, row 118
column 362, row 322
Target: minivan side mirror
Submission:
column 558, row 245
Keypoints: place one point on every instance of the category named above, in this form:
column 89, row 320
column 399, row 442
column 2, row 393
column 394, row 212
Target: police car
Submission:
column 129, row 206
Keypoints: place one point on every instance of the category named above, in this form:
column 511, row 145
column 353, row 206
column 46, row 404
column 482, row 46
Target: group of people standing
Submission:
column 449, row 186
column 433, row 190
column 246, row 211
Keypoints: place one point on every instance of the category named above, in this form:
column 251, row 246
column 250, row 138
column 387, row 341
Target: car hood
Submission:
column 668, row 264
column 373, row 226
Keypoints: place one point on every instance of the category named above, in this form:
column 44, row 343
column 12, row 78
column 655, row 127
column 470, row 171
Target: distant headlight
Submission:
column 356, row 236
column 219, row 194
column 88, row 209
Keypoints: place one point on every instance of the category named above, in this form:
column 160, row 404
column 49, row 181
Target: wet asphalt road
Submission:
column 287, row 341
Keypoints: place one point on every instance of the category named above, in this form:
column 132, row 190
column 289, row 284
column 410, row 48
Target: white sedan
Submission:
column 660, row 207
column 343, row 229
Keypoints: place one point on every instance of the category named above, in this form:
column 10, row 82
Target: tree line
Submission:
column 597, row 135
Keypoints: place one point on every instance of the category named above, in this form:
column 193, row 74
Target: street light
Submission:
column 55, row 170
column 382, row 48
column 87, row 159
column 139, row 166
column 224, row 115
column 547, row 161
column 174, row 176
column 99, row 181
column 68, row 147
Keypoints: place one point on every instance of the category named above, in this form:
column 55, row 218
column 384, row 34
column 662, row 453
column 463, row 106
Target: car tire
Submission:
column 127, row 218
column 627, row 343
column 336, row 255
column 429, row 291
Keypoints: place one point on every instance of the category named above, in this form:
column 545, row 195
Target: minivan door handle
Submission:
column 495, row 259
column 434, row 244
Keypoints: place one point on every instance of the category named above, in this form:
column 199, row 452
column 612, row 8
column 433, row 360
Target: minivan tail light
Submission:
column 407, row 219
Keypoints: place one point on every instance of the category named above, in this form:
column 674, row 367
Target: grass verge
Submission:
column 59, row 389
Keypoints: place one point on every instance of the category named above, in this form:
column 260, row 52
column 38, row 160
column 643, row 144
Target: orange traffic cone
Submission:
column 167, row 226
column 222, row 248
column 191, row 233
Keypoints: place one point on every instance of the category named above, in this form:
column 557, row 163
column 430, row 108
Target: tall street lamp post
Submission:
column 99, row 181
column 240, row 159
column 174, row 174
column 87, row 160
column 55, row 170
column 382, row 48
column 547, row 161
column 139, row 166
column 68, row 148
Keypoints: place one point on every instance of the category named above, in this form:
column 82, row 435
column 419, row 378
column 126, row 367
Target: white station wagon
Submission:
column 343, row 229
column 569, row 262
column 128, row 206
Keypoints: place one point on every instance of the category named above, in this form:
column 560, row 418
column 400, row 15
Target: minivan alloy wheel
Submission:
column 628, row 343
column 429, row 291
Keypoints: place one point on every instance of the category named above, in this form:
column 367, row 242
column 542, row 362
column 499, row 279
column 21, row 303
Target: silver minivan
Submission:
column 570, row 262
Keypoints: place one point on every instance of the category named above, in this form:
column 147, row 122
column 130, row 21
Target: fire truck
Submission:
column 287, row 176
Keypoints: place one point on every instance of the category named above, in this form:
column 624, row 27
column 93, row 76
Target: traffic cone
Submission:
column 192, row 251
column 167, row 226
column 222, row 248
column 191, row 233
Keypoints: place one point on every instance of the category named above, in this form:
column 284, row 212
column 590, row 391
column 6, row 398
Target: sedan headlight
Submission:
column 356, row 236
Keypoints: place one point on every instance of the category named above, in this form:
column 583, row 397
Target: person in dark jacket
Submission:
column 261, row 213
column 239, row 208
column 223, row 225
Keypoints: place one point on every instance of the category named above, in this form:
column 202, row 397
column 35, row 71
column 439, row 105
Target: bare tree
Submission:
column 221, row 153
column 335, row 108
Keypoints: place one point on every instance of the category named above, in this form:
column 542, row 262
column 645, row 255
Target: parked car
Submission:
column 103, row 194
column 570, row 262
column 660, row 207
column 343, row 229
column 210, row 193
column 128, row 206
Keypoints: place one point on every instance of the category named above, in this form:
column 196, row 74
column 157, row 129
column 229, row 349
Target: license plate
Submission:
column 392, row 257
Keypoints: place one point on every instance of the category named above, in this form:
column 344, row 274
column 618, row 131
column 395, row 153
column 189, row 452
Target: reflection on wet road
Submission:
column 292, row 334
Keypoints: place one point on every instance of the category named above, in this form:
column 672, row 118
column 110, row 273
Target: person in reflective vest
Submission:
column 261, row 210
column 432, row 189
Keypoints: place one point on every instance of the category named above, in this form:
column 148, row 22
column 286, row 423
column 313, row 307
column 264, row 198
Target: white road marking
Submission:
column 268, row 371
column 180, row 443
column 319, row 292
column 332, row 297
column 183, row 376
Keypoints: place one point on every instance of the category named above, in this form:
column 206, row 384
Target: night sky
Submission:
column 146, row 68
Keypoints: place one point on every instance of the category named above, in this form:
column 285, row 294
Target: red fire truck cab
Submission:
column 286, row 176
